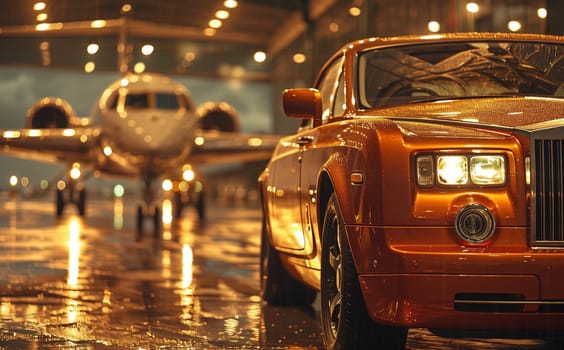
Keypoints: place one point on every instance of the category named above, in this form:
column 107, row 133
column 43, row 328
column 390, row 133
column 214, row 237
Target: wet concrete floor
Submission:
column 73, row 283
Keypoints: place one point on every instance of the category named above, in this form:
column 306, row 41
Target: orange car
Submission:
column 424, row 188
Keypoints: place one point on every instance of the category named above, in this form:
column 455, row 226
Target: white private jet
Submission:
column 144, row 126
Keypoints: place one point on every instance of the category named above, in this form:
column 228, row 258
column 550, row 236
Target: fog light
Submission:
column 475, row 224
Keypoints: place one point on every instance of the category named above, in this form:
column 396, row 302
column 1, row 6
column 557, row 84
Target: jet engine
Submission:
column 219, row 116
column 51, row 112
column 56, row 113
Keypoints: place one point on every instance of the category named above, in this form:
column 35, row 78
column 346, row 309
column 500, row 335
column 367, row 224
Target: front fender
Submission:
column 338, row 171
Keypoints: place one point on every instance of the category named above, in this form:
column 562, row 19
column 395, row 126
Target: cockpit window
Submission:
column 113, row 100
column 137, row 101
column 159, row 100
column 166, row 101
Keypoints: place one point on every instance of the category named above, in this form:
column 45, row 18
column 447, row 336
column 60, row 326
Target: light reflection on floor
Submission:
column 74, row 282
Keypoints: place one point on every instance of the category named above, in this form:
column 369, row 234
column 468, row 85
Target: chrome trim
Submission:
column 547, row 187
column 509, row 302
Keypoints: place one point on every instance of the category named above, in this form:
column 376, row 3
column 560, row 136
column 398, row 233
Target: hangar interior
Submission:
column 245, row 52
column 281, row 42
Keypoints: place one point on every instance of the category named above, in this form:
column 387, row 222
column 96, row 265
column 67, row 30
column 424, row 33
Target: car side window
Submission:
column 339, row 105
column 332, row 92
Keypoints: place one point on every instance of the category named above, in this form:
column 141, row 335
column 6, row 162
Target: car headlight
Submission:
column 452, row 170
column 487, row 170
column 425, row 173
column 460, row 170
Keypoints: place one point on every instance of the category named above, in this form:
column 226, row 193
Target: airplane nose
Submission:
column 159, row 138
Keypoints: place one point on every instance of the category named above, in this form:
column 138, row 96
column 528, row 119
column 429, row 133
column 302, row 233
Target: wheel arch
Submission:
column 261, row 184
column 334, row 178
column 325, row 188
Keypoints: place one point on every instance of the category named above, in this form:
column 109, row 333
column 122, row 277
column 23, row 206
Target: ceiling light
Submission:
column 334, row 27
column 230, row 4
column 92, row 48
column 41, row 17
column 139, row 67
column 39, row 6
column 355, row 11
column 259, row 56
column 472, row 7
column 299, row 58
column 98, row 23
column 434, row 26
column 222, row 14
column 41, row 27
column 215, row 23
column 147, row 49
column 189, row 56
column 89, row 67
column 542, row 12
column 514, row 26
column 126, row 8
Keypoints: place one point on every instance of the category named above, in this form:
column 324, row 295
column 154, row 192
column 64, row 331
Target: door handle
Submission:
column 304, row 140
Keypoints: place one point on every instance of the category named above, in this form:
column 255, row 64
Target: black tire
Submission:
column 140, row 218
column 178, row 205
column 81, row 202
column 277, row 286
column 201, row 206
column 344, row 320
column 157, row 222
column 60, row 202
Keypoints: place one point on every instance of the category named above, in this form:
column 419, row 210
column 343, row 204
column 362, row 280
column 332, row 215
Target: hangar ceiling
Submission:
column 179, row 31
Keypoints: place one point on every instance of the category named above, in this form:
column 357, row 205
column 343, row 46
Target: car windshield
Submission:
column 416, row 73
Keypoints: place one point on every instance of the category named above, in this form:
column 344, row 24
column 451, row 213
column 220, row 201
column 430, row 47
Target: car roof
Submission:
column 362, row 44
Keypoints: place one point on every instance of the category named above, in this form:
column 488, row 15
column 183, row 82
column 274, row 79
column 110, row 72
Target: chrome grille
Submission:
column 548, row 192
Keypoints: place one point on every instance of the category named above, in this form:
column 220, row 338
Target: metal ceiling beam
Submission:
column 297, row 24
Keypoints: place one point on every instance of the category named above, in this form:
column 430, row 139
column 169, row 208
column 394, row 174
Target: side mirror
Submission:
column 302, row 103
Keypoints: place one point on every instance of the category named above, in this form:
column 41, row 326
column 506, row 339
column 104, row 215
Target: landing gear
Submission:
column 181, row 195
column 201, row 206
column 152, row 213
column 149, row 210
column 193, row 198
column 70, row 193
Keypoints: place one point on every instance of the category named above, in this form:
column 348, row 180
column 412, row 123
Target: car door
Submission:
column 315, row 147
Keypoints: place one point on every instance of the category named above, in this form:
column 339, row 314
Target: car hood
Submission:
column 476, row 117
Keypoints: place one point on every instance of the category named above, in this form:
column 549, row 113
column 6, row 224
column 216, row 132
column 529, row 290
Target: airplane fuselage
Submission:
column 147, row 124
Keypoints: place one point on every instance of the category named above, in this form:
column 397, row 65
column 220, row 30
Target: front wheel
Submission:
column 344, row 319
column 81, row 204
column 60, row 202
column 201, row 206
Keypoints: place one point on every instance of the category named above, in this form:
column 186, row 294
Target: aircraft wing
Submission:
column 214, row 147
column 50, row 145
